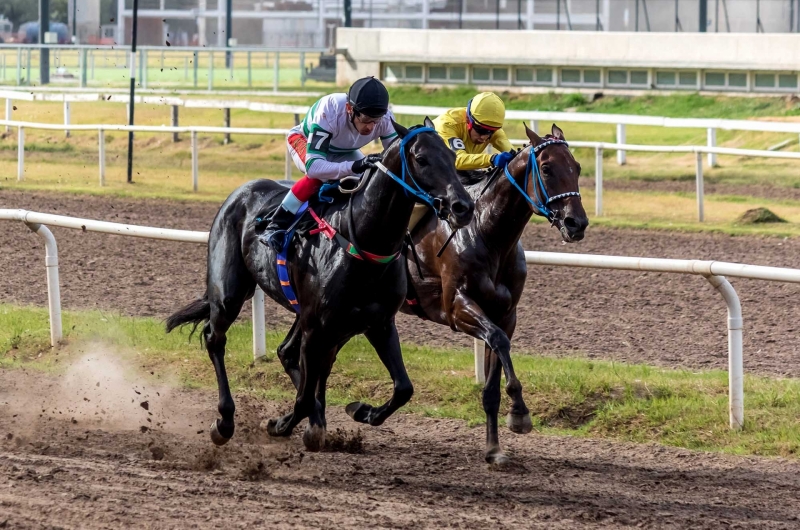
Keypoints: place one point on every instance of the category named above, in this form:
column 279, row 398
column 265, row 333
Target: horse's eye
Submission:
column 545, row 169
column 421, row 161
column 579, row 169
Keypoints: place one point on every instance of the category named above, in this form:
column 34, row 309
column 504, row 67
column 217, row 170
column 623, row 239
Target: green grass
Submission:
column 566, row 396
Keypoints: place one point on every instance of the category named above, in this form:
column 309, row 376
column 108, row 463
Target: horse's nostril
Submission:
column 459, row 208
column 572, row 225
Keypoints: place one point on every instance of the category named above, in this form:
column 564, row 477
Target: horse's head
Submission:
column 559, row 175
column 431, row 165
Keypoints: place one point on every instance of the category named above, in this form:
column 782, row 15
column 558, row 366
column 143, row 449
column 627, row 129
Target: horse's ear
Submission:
column 532, row 136
column 401, row 131
column 557, row 133
column 428, row 122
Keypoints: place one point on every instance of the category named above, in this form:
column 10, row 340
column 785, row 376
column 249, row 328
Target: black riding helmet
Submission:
column 368, row 96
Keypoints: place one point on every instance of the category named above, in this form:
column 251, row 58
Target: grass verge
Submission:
column 566, row 396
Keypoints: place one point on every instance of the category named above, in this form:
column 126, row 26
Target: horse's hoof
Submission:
column 216, row 435
column 314, row 438
column 358, row 411
column 496, row 457
column 519, row 423
column 272, row 428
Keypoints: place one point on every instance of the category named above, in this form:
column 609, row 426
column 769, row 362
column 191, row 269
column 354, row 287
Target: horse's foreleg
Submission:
column 470, row 319
column 386, row 342
column 519, row 418
column 289, row 353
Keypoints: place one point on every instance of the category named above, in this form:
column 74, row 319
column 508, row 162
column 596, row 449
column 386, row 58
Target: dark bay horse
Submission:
column 475, row 286
column 339, row 296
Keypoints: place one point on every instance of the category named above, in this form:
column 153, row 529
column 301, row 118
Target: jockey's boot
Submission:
column 275, row 233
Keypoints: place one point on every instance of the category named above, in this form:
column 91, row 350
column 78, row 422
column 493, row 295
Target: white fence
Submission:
column 713, row 271
column 37, row 221
column 599, row 147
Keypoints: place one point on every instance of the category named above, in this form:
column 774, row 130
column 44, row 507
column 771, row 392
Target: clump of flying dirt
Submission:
column 342, row 441
column 256, row 471
column 208, row 459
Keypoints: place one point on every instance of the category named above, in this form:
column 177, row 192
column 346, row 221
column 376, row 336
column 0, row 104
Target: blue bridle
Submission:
column 540, row 207
column 419, row 194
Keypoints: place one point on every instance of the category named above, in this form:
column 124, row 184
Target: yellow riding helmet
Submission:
column 487, row 109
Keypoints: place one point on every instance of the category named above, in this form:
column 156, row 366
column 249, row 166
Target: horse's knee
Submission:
column 499, row 342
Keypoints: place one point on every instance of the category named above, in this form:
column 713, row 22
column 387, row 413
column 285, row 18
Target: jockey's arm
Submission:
column 321, row 169
column 464, row 160
column 500, row 141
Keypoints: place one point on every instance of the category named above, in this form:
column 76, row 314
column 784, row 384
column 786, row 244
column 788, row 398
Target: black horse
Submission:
column 475, row 285
column 340, row 296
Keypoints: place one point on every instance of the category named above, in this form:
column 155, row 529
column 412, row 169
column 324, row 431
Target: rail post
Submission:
column 735, row 357
column 699, row 178
column 535, row 126
column 226, row 122
column 711, row 137
column 598, row 181
column 249, row 70
column 479, row 348
column 66, row 118
column 174, row 122
column 302, row 69
column 101, row 154
column 195, row 177
column 621, row 140
column 9, row 108
column 259, row 328
column 20, row 154
column 276, row 72
column 210, row 71
column 53, row 288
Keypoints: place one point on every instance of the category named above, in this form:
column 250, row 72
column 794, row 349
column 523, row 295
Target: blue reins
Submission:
column 540, row 207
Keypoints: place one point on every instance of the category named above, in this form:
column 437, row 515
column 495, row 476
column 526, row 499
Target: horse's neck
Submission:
column 502, row 214
column 382, row 212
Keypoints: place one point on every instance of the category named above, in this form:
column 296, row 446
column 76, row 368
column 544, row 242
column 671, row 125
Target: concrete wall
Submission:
column 368, row 48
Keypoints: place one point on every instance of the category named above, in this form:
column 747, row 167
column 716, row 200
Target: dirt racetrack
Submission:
column 82, row 451
column 662, row 319
column 85, row 462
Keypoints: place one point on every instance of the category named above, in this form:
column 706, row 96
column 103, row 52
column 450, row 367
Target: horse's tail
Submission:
column 196, row 312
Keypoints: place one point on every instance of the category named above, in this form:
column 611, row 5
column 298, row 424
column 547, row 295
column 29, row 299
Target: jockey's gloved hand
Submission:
column 360, row 166
column 501, row 159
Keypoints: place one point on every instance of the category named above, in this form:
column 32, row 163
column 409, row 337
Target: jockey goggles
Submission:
column 478, row 127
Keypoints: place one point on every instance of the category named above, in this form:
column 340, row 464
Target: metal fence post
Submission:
column 174, row 122
column 249, row 70
column 91, row 59
column 83, row 66
column 101, row 153
column 20, row 154
column 185, row 68
column 210, row 71
column 259, row 328
column 195, row 57
column 66, row 118
column 621, row 140
column 276, row 72
column 598, row 181
column 194, row 161
column 699, row 177
column 711, row 135
column 9, row 107
column 302, row 69
column 226, row 122
column 19, row 66
column 53, row 288
column 479, row 348
column 535, row 126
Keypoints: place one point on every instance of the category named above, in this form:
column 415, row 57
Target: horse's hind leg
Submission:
column 386, row 342
column 229, row 285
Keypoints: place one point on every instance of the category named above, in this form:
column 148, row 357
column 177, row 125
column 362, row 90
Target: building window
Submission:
column 765, row 80
column 665, row 79
column 524, row 76
column 687, row 79
column 413, row 73
column 787, row 81
column 458, row 73
column 392, row 72
column 591, row 77
column 570, row 76
column 715, row 79
column 738, row 80
column 639, row 77
column 544, row 76
column 437, row 73
column 617, row 77
column 481, row 73
column 500, row 75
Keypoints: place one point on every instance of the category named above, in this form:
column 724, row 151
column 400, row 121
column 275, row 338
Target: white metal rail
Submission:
column 714, row 271
column 37, row 221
